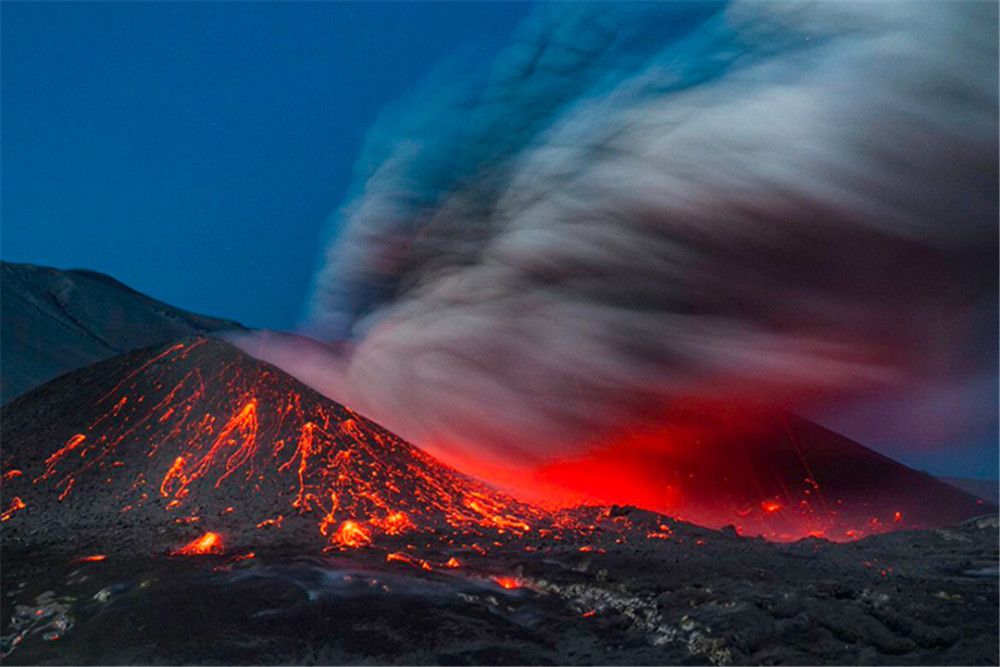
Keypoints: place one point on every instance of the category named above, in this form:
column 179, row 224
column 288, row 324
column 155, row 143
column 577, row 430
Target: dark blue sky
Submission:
column 193, row 150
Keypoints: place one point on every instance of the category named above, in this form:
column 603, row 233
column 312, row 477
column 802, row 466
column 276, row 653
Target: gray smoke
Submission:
column 641, row 204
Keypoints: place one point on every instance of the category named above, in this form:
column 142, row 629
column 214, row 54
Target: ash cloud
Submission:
column 644, row 204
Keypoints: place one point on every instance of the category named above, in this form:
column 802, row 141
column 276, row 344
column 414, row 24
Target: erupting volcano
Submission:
column 194, row 475
column 171, row 445
column 202, row 438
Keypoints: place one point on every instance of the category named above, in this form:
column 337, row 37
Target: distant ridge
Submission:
column 987, row 489
column 54, row 321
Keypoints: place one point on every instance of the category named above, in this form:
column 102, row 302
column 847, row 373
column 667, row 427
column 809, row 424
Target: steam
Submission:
column 641, row 205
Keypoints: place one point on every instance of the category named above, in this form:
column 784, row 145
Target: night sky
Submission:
column 194, row 150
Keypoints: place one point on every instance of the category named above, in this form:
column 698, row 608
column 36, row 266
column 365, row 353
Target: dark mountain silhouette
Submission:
column 54, row 321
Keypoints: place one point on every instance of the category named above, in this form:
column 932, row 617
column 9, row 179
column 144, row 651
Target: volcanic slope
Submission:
column 766, row 472
column 169, row 444
column 56, row 321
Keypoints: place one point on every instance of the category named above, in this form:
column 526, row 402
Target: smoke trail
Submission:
column 644, row 204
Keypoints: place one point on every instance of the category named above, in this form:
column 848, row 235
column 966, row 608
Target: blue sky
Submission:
column 194, row 149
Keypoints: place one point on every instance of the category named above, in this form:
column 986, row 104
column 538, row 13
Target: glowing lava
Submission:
column 209, row 543
column 509, row 583
column 350, row 534
column 15, row 504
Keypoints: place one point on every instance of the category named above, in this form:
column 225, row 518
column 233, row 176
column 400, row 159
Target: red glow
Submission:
column 209, row 543
column 91, row 559
column 769, row 473
column 351, row 534
column 409, row 560
column 62, row 452
column 175, row 474
column 509, row 583
column 15, row 505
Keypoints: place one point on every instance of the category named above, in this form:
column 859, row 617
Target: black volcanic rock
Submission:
column 53, row 322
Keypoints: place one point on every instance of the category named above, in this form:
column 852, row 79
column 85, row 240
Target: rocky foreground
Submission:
column 642, row 589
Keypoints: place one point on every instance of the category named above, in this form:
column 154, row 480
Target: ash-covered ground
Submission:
column 640, row 589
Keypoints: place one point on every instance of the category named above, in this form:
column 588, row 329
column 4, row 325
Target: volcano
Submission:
column 174, row 444
column 766, row 472
column 197, row 439
column 188, row 504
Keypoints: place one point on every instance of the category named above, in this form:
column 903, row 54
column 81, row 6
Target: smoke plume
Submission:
column 643, row 205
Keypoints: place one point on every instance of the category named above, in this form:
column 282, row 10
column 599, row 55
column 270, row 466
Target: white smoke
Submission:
column 778, row 201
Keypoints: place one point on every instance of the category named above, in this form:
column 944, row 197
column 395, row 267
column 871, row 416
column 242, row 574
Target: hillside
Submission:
column 53, row 322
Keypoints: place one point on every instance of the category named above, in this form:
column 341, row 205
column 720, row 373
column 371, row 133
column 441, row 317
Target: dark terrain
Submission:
column 335, row 542
column 614, row 597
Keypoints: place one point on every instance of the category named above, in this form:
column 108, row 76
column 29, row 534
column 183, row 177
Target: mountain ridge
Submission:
column 54, row 321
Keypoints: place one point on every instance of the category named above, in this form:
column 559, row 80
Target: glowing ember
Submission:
column 15, row 505
column 351, row 534
column 770, row 506
column 409, row 560
column 509, row 583
column 209, row 543
column 61, row 453
column 394, row 524
column 174, row 475
column 91, row 559
column 453, row 563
